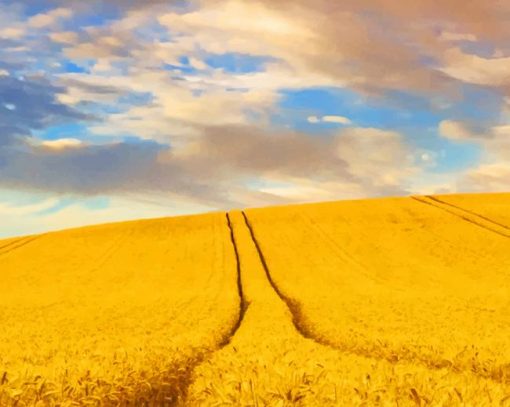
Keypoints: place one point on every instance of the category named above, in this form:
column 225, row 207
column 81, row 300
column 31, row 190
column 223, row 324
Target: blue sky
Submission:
column 120, row 110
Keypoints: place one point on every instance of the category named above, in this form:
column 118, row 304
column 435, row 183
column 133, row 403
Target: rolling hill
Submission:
column 395, row 301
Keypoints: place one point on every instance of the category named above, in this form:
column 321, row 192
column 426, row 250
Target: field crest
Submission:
column 376, row 302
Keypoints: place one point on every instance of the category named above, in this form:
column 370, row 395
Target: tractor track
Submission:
column 188, row 376
column 17, row 244
column 293, row 305
column 496, row 373
column 243, row 304
column 466, row 215
column 436, row 199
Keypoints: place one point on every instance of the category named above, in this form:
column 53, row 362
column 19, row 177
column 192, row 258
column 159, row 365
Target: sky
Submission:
column 133, row 109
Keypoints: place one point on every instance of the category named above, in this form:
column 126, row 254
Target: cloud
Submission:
column 82, row 169
column 30, row 104
column 379, row 158
column 239, row 150
column 176, row 108
column 78, row 89
column 456, row 130
column 369, row 59
column 64, row 37
column 215, row 169
column 329, row 119
column 43, row 213
column 487, row 177
column 493, row 173
column 12, row 32
column 177, row 126
column 454, row 37
column 61, row 144
column 475, row 69
column 366, row 160
column 491, row 137
column 50, row 18
column 119, row 168
column 29, row 209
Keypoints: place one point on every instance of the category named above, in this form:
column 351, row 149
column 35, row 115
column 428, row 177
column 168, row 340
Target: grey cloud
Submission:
column 92, row 88
column 90, row 170
column 251, row 150
column 213, row 172
column 229, row 152
column 30, row 103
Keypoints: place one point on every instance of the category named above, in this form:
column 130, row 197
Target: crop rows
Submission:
column 382, row 302
column 115, row 314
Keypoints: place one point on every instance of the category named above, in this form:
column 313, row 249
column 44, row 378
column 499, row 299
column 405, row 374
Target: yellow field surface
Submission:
column 379, row 302
column 493, row 207
column 396, row 280
column 114, row 313
column 271, row 360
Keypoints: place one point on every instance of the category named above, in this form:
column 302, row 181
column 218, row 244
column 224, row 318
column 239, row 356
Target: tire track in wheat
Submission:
column 472, row 218
column 497, row 373
column 292, row 304
column 243, row 304
column 187, row 377
column 471, row 212
column 17, row 244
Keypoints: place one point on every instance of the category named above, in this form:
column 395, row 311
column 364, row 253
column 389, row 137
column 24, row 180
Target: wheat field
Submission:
column 382, row 302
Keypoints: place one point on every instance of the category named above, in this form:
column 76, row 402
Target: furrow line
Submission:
column 18, row 244
column 227, row 338
column 500, row 373
column 13, row 242
column 243, row 304
column 460, row 208
column 293, row 306
column 465, row 217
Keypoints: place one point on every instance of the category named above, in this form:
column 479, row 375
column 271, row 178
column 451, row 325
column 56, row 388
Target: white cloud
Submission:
column 464, row 131
column 48, row 19
column 305, row 45
column 380, row 157
column 12, row 32
column 27, row 219
column 197, row 63
column 64, row 37
column 26, row 209
column 329, row 119
column 336, row 119
column 178, row 108
column 246, row 19
column 494, row 177
column 474, row 69
column 453, row 37
column 501, row 131
column 62, row 143
column 455, row 130
column 305, row 190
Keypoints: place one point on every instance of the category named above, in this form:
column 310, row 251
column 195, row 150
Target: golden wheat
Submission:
column 377, row 302
column 397, row 279
column 115, row 313
column 277, row 358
